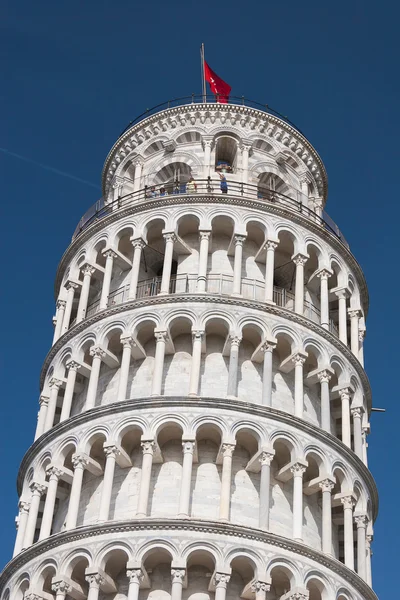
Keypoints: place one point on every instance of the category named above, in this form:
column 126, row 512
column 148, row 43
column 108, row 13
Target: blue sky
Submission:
column 75, row 73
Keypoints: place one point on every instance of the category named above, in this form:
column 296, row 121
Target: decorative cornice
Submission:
column 253, row 204
column 123, row 145
column 149, row 524
column 172, row 402
column 209, row 298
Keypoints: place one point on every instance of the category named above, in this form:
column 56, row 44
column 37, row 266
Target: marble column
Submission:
column 346, row 426
column 37, row 490
column 98, row 355
column 194, row 383
column 238, row 240
column 348, row 504
column 245, row 148
column 233, row 366
column 161, row 340
column 111, row 452
column 135, row 577
column 361, row 522
column 178, row 576
column 105, row 290
column 326, row 486
column 79, row 462
column 138, row 175
column 186, row 481
column 368, row 560
column 324, row 378
column 203, row 260
column 47, row 519
column 61, row 589
column 260, row 589
column 70, row 287
column 226, row 477
column 138, row 245
column 221, row 581
column 268, row 349
column 127, row 342
column 72, row 368
column 148, row 448
column 299, row 260
column 207, row 144
column 354, row 315
column 361, row 336
column 265, row 478
column 87, row 271
column 365, row 431
column 22, row 521
column 95, row 580
column 54, row 385
column 170, row 239
column 60, row 311
column 270, row 246
column 342, row 296
column 43, row 404
column 298, row 471
column 357, row 431
column 323, row 276
column 298, row 360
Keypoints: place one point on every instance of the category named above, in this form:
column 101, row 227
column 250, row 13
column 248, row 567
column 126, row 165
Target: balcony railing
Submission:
column 218, row 284
column 210, row 187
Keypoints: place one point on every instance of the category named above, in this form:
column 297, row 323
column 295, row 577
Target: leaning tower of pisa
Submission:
column 204, row 407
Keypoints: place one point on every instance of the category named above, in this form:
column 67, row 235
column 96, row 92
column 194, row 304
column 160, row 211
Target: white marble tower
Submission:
column 204, row 407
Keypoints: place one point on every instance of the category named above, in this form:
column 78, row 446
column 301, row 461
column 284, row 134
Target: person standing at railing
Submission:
column 191, row 186
column 224, row 184
column 163, row 191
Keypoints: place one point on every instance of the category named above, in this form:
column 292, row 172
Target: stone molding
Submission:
column 155, row 204
column 123, row 146
column 149, row 524
column 256, row 410
column 208, row 298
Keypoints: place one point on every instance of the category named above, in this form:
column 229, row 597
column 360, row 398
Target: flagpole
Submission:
column 203, row 75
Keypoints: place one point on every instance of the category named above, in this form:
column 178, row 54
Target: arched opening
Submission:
column 200, row 566
column 157, row 564
column 205, row 498
column 283, row 378
column 269, row 185
column 282, row 580
column 226, row 154
column 166, row 472
column 177, row 365
column 215, row 359
column 281, row 493
column 173, row 178
column 243, row 573
column 245, row 482
column 250, row 365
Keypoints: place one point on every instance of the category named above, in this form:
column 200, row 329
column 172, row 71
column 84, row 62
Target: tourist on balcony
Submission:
column 153, row 192
column 163, row 191
column 224, row 184
column 191, row 186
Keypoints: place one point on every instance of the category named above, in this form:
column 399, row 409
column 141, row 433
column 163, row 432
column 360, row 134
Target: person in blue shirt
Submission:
column 224, row 184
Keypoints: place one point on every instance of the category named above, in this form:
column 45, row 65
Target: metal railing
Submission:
column 208, row 99
column 219, row 284
column 209, row 187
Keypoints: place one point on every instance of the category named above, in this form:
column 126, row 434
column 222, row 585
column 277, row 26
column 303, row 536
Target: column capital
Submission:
column 266, row 458
column 38, row 488
column 135, row 575
column 300, row 259
column 61, row 303
column 345, row 393
column 53, row 471
column 361, row 335
column 188, row 446
column 343, row 292
column 239, row 239
column 221, row 579
column 72, row 365
column 324, row 274
column 260, row 586
column 197, row 334
column 361, row 521
column 95, row 580
column 204, row 234
column 148, row 446
column 271, row 245
column 227, row 449
column 169, row 236
column 111, row 450
column 79, row 460
column 298, row 469
column 324, row 376
column 357, row 412
column 348, row 502
column 61, row 587
column 109, row 253
column 55, row 383
column 33, row 596
column 354, row 313
column 97, row 351
column 160, row 335
column 178, row 575
column 43, row 400
column 268, row 346
column 299, row 358
column 326, row 485
column 24, row 506
column 137, row 243
column 235, row 340
column 127, row 341
column 87, row 270
column 71, row 285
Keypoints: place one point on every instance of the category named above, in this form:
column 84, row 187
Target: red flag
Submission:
column 217, row 85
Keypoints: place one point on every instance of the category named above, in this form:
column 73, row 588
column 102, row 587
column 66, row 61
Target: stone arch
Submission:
column 318, row 586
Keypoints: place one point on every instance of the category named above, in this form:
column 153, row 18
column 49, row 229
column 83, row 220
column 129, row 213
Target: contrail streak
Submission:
column 48, row 168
